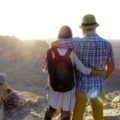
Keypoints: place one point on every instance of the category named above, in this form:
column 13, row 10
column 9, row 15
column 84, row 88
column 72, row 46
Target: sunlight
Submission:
column 41, row 19
column 93, row 94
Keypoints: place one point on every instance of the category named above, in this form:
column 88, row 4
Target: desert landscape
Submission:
column 22, row 62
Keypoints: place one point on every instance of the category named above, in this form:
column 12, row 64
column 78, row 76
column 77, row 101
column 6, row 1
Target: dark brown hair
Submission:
column 65, row 32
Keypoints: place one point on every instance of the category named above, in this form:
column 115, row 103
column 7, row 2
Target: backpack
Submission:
column 61, row 70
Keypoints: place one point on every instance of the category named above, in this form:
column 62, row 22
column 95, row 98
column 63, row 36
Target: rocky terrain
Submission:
column 35, row 105
column 22, row 62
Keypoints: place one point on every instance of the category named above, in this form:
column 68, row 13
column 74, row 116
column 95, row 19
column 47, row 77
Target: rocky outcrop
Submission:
column 112, row 114
column 33, row 108
column 111, row 107
column 35, row 105
column 116, row 102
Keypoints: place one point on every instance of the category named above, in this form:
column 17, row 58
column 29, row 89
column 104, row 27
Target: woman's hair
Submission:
column 65, row 32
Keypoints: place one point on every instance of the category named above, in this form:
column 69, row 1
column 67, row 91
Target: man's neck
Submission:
column 89, row 32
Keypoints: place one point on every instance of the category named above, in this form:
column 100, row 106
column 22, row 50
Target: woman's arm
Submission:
column 80, row 66
column 85, row 70
column 99, row 73
column 44, row 67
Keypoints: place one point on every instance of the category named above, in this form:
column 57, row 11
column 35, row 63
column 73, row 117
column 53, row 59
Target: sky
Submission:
column 42, row 19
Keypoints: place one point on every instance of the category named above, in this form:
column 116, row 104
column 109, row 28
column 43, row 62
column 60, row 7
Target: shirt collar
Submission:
column 92, row 35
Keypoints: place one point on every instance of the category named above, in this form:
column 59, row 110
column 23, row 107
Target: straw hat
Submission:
column 89, row 22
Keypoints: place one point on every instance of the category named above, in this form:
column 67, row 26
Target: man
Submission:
column 95, row 52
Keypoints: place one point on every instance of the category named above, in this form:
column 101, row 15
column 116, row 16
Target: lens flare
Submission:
column 94, row 94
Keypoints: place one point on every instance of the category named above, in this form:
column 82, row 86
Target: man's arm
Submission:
column 71, row 43
column 109, row 69
column 110, row 63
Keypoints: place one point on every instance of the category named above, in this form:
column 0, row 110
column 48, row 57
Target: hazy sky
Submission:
column 28, row 19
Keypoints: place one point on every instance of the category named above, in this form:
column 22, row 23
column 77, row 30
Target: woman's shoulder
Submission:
column 64, row 50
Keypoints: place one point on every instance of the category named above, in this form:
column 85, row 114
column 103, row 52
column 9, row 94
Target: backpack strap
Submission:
column 67, row 54
column 55, row 52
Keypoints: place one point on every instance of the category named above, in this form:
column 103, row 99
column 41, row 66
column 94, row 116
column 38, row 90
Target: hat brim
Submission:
column 89, row 27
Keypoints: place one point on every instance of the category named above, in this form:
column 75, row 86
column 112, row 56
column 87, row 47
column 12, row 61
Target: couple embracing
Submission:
column 91, row 58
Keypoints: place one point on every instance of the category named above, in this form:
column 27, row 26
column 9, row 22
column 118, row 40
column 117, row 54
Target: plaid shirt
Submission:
column 94, row 52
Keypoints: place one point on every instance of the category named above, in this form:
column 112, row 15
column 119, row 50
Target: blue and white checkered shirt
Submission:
column 94, row 52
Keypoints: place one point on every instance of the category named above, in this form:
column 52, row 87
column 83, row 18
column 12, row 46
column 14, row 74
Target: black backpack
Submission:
column 61, row 70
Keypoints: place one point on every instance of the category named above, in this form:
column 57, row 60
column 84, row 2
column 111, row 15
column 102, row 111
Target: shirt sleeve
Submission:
column 110, row 58
column 80, row 66
column 71, row 42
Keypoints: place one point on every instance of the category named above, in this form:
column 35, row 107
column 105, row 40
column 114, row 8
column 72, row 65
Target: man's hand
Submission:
column 109, row 69
column 54, row 44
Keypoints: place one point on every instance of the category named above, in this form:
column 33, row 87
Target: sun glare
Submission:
column 41, row 19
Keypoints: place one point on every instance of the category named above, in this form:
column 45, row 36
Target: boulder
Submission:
column 33, row 108
column 109, row 114
column 112, row 114
column 116, row 102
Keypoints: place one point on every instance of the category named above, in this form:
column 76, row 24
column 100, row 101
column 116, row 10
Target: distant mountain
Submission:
column 113, row 82
column 116, row 46
column 22, row 61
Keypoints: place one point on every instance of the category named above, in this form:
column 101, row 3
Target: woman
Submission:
column 65, row 101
